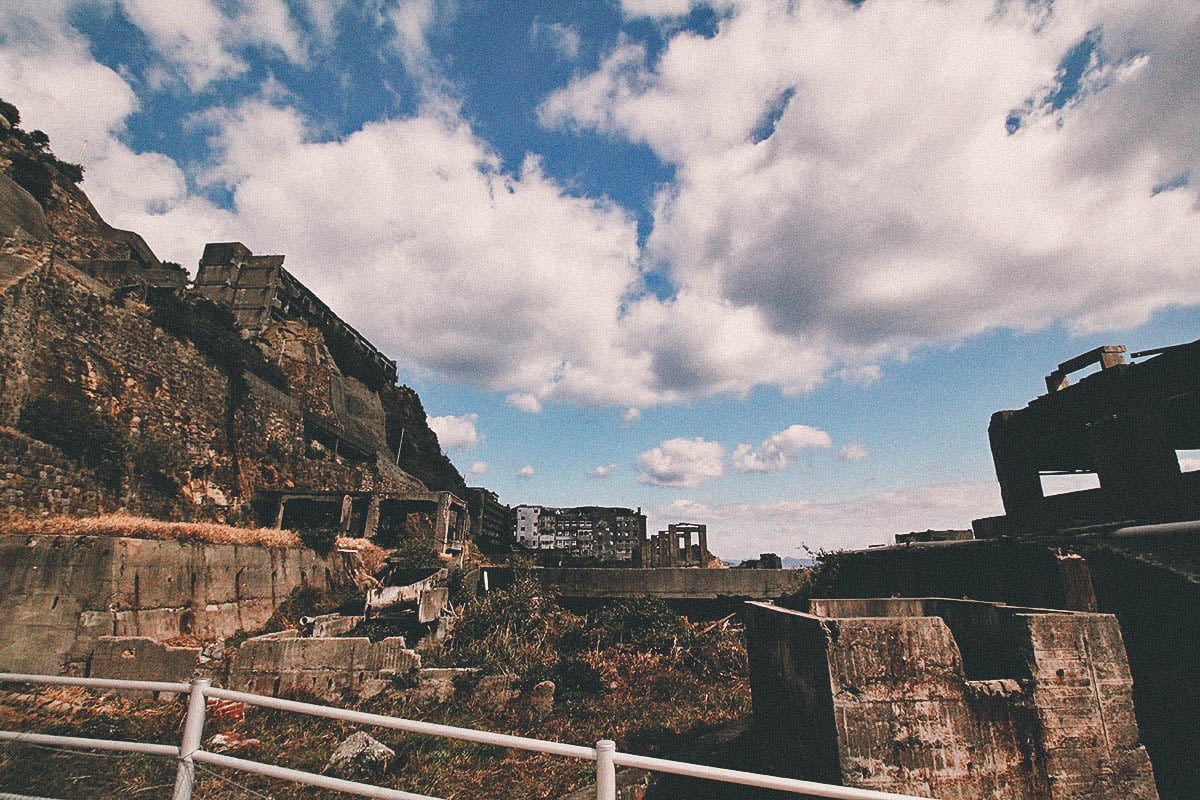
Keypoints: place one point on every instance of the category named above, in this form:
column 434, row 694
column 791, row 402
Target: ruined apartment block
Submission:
column 594, row 532
column 954, row 699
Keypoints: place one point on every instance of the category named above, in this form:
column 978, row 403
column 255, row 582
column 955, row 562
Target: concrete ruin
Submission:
column 948, row 698
column 327, row 667
column 1124, row 424
column 60, row 594
column 675, row 547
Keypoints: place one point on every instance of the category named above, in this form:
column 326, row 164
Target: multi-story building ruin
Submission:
column 590, row 532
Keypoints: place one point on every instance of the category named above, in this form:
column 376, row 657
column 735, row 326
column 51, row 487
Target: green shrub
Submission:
column 321, row 540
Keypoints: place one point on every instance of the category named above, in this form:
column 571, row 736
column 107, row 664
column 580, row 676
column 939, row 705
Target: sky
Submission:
column 767, row 266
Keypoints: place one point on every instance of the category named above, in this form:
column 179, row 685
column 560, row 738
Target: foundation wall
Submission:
column 889, row 694
column 60, row 594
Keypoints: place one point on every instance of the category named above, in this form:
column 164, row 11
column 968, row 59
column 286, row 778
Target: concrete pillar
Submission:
column 704, row 546
column 1138, row 469
column 1017, row 473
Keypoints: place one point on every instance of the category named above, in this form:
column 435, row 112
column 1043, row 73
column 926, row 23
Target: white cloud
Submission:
column 526, row 471
column 846, row 186
column 602, row 471
column 861, row 376
column 779, row 450
column 562, row 40
column 888, row 208
column 655, row 8
column 744, row 530
column 854, row 451
column 631, row 416
column 200, row 40
column 523, row 401
column 455, row 432
column 682, row 463
column 477, row 468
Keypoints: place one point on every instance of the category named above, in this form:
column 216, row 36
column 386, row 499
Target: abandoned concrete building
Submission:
column 591, row 532
column 1123, row 424
column 952, row 699
column 675, row 547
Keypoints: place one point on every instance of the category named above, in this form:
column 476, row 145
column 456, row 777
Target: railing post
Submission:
column 606, row 770
column 193, row 735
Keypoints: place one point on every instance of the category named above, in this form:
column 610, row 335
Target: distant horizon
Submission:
column 767, row 266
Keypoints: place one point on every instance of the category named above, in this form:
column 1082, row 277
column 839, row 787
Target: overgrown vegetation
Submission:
column 632, row 671
column 33, row 166
column 213, row 330
column 321, row 540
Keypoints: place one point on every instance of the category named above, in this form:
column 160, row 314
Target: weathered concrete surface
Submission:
column 137, row 658
column 1151, row 584
column 907, row 696
column 60, row 594
column 672, row 584
column 328, row 668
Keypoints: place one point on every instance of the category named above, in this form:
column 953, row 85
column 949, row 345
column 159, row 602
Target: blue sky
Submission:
column 768, row 266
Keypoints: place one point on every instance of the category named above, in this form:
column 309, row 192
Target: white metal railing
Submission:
column 189, row 752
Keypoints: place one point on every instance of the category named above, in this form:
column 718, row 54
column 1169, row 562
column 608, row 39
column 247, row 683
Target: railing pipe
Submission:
column 193, row 736
column 606, row 770
column 307, row 778
column 96, row 683
column 409, row 725
column 793, row 785
column 90, row 744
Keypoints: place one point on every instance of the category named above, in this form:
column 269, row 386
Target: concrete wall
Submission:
column 328, row 668
column 59, row 594
column 884, row 701
column 1151, row 584
column 679, row 584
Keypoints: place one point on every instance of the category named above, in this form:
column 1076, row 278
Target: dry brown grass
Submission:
column 146, row 528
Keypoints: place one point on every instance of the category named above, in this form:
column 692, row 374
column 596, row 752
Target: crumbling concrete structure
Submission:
column 948, row 698
column 1124, row 424
column 674, row 547
column 326, row 667
column 60, row 594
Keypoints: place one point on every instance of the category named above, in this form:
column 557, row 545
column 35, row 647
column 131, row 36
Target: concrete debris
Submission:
column 360, row 754
column 541, row 698
column 231, row 742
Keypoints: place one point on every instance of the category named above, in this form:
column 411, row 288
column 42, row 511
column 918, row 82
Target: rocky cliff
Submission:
column 122, row 387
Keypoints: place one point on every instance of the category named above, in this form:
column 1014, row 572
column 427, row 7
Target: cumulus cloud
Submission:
column 602, row 471
column 523, row 401
column 854, row 451
column 779, row 450
column 477, row 468
column 455, row 432
column 847, row 175
column 199, row 39
column 788, row 527
column 682, row 463
column 849, row 182
column 631, row 416
column 526, row 471
column 562, row 40
column 861, row 376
